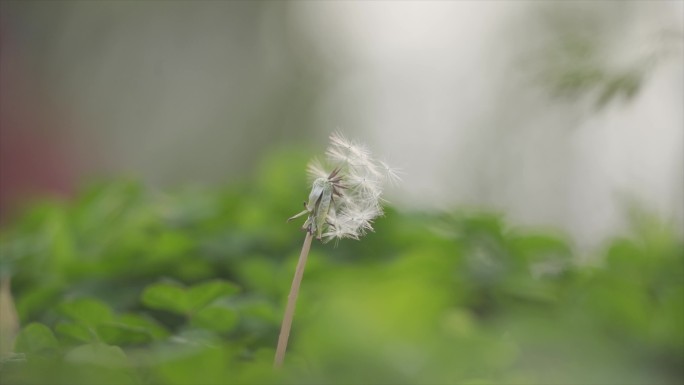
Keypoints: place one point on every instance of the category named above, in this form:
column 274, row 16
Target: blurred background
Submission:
column 526, row 131
column 556, row 113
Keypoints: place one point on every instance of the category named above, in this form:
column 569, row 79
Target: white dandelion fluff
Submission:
column 316, row 170
column 345, row 201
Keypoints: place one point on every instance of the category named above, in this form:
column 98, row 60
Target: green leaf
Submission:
column 177, row 299
column 203, row 294
column 98, row 354
column 89, row 312
column 76, row 332
column 115, row 333
column 155, row 330
column 166, row 296
column 197, row 366
column 130, row 329
column 540, row 245
column 216, row 318
column 60, row 238
column 36, row 338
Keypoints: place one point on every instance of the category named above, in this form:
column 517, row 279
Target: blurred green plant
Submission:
column 127, row 286
column 576, row 45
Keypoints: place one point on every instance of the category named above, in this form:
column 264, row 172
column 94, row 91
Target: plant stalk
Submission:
column 291, row 303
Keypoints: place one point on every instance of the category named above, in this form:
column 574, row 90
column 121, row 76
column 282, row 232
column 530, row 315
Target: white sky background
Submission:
column 435, row 85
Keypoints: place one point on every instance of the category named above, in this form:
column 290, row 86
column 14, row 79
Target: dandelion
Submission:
column 343, row 203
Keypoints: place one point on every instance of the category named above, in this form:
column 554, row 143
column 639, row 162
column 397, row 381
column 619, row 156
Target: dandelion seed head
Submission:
column 355, row 185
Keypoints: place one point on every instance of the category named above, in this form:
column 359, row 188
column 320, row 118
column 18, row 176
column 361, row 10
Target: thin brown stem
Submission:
column 291, row 303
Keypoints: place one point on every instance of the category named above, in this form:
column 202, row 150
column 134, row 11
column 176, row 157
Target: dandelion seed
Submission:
column 315, row 170
column 391, row 174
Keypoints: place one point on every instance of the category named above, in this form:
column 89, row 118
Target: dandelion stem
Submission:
column 291, row 303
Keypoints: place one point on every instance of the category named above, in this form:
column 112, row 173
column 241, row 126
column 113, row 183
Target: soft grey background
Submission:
column 557, row 113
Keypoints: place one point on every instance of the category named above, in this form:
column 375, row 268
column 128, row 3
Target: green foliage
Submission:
column 36, row 339
column 573, row 47
column 125, row 286
column 177, row 299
